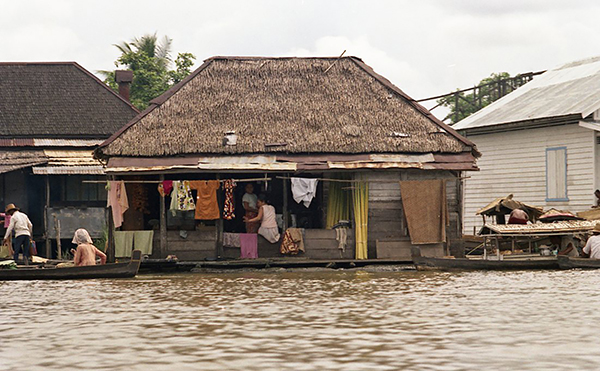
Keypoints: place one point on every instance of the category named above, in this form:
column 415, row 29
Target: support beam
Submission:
column 163, row 224
column 46, row 224
column 285, row 212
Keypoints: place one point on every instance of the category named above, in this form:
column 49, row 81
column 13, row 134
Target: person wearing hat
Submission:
column 592, row 247
column 21, row 225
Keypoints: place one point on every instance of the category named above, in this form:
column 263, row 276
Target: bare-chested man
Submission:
column 86, row 252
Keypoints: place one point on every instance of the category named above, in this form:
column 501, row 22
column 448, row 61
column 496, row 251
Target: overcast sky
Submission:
column 425, row 47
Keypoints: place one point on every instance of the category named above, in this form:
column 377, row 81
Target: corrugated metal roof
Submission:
column 67, row 142
column 70, row 157
column 571, row 89
column 68, row 170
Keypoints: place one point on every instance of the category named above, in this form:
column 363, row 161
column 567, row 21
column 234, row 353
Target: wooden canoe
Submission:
column 428, row 263
column 568, row 262
column 114, row 270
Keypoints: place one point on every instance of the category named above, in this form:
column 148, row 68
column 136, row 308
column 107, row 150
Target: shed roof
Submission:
column 284, row 105
column 571, row 89
column 58, row 100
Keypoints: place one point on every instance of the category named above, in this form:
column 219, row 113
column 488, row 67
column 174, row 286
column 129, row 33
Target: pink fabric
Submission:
column 6, row 219
column 249, row 245
column 167, row 186
column 117, row 199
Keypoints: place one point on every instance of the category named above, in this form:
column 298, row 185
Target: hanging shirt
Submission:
column 181, row 197
column 20, row 224
column 229, row 204
column 207, row 206
column 304, row 190
column 117, row 200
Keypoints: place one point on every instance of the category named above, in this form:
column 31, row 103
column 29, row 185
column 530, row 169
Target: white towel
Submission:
column 304, row 190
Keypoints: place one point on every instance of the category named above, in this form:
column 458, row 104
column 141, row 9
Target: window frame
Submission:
column 566, row 195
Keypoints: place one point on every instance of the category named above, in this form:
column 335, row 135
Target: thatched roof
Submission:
column 58, row 100
column 284, row 105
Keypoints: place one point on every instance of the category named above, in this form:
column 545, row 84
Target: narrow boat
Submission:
column 112, row 270
column 423, row 263
column 569, row 262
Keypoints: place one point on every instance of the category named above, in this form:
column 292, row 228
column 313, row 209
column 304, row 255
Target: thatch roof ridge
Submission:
column 386, row 84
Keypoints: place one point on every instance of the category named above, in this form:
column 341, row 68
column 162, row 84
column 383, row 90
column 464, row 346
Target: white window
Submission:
column 556, row 174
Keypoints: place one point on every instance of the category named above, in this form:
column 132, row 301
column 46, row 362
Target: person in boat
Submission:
column 23, row 229
column 592, row 247
column 86, row 252
column 266, row 216
column 249, row 201
column 518, row 216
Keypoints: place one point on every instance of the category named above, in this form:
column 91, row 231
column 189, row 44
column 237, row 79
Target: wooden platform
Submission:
column 161, row 265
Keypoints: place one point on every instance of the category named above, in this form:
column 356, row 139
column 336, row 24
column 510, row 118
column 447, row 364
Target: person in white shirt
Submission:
column 21, row 225
column 592, row 247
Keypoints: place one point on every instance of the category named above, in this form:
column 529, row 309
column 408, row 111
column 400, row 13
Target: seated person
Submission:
column 569, row 250
column 266, row 215
column 592, row 247
column 86, row 252
column 518, row 216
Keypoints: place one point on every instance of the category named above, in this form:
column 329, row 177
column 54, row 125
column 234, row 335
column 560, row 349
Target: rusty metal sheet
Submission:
column 375, row 165
column 16, row 142
column 68, row 170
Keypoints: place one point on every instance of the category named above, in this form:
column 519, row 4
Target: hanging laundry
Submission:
column 249, row 245
column 207, row 206
column 292, row 242
column 231, row 240
column 142, row 240
column 123, row 243
column 165, row 188
column 304, row 190
column 341, row 236
column 117, row 200
column 229, row 204
column 181, row 198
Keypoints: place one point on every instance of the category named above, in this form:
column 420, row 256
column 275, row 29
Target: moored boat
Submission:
column 569, row 262
column 513, row 263
column 112, row 270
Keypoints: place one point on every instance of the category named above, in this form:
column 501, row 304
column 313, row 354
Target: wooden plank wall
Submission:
column 386, row 217
column 198, row 245
column 515, row 162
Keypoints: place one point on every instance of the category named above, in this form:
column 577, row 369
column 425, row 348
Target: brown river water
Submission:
column 335, row 320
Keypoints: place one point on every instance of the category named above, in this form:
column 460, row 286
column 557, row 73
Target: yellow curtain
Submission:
column 360, row 199
column 338, row 203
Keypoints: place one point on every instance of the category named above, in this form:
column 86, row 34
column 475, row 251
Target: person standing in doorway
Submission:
column 21, row 225
column 249, row 201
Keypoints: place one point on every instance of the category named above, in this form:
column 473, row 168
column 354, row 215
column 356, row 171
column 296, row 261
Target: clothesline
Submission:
column 356, row 181
column 160, row 181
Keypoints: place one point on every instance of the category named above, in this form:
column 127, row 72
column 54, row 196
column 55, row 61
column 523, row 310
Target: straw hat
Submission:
column 10, row 207
column 596, row 228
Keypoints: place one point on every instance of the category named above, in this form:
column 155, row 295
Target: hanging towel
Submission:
column 341, row 235
column 117, row 200
column 292, row 242
column 207, row 206
column 304, row 190
column 142, row 240
column 229, row 204
column 231, row 240
column 123, row 244
column 249, row 245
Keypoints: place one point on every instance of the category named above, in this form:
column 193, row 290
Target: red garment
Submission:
column 229, row 205
column 515, row 220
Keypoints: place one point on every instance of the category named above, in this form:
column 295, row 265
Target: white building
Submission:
column 540, row 143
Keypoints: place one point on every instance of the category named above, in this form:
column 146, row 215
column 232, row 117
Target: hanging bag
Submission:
column 6, row 250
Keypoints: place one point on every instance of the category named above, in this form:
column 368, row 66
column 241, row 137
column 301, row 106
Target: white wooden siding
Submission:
column 515, row 162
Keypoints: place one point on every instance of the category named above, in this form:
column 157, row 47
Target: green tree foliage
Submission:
column 150, row 60
column 488, row 90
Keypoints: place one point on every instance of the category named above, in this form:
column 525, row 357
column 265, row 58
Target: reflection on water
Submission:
column 305, row 321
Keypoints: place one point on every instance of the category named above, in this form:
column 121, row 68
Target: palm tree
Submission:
column 150, row 45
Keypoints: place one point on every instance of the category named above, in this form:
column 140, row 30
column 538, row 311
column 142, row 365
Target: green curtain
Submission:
column 338, row 203
column 360, row 200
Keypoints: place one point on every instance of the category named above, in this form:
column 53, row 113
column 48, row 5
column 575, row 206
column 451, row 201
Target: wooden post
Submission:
column 110, row 249
column 46, row 224
column 285, row 204
column 163, row 224
column 58, row 246
column 219, row 247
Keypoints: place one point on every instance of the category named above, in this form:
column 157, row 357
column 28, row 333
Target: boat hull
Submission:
column 427, row 263
column 566, row 262
column 116, row 270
